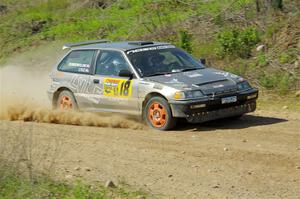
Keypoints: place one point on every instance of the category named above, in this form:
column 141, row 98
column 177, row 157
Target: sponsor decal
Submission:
column 79, row 65
column 83, row 70
column 218, row 86
column 194, row 75
column 81, row 84
column 173, row 81
column 226, row 74
column 150, row 48
column 113, row 87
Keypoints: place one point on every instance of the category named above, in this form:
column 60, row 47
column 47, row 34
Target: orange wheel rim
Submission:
column 157, row 115
column 66, row 103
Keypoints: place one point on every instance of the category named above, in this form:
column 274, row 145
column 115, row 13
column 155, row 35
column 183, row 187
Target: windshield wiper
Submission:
column 168, row 72
column 189, row 69
column 158, row 73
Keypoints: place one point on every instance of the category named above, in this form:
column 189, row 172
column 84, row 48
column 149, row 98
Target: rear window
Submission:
column 78, row 61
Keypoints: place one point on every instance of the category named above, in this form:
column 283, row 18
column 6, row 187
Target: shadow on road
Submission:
column 230, row 123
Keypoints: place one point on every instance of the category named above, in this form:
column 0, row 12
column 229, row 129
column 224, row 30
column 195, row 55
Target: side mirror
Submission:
column 125, row 73
column 202, row 61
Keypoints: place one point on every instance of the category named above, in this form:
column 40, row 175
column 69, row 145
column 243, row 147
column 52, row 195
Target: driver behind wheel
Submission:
column 157, row 61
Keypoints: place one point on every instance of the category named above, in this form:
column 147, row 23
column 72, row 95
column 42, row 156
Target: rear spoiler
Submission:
column 71, row 45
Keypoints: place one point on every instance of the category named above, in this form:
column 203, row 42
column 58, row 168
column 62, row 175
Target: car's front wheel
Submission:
column 158, row 114
column 66, row 101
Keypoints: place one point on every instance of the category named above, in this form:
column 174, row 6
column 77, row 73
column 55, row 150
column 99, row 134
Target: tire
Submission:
column 158, row 114
column 66, row 101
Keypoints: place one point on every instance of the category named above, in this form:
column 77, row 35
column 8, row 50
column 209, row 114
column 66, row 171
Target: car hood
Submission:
column 208, row 80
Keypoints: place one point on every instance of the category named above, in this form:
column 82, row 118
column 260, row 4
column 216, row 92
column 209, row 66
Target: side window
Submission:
column 78, row 61
column 110, row 63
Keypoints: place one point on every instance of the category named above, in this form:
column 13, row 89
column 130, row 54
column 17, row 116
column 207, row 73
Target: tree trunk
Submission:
column 257, row 5
column 277, row 4
column 269, row 4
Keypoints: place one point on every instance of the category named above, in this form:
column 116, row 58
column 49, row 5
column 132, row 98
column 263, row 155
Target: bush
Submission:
column 185, row 41
column 280, row 82
column 287, row 57
column 262, row 60
column 240, row 70
column 237, row 42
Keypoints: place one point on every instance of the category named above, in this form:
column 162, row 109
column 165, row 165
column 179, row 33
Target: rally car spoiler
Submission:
column 71, row 45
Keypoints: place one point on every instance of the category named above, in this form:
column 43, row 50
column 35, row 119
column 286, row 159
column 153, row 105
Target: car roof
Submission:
column 123, row 46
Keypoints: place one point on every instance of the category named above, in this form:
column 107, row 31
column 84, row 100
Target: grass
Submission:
column 17, row 187
column 57, row 20
column 271, row 101
column 73, row 21
column 280, row 82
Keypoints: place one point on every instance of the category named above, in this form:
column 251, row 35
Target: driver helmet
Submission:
column 157, row 59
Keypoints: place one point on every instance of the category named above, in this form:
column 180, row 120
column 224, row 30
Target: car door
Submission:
column 116, row 94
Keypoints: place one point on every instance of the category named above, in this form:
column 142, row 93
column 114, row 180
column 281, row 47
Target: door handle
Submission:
column 96, row 81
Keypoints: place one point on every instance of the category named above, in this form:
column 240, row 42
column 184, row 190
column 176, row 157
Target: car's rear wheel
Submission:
column 158, row 114
column 66, row 101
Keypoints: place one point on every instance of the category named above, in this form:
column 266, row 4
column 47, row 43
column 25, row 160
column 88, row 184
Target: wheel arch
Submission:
column 149, row 96
column 56, row 95
column 170, row 123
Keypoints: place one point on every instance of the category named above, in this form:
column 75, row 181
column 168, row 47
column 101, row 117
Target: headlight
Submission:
column 243, row 86
column 187, row 95
column 179, row 95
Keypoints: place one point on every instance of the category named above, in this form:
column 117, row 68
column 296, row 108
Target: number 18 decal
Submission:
column 114, row 87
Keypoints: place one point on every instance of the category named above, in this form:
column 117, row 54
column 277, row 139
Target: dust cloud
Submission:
column 24, row 81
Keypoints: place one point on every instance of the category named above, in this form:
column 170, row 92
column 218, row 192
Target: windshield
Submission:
column 159, row 61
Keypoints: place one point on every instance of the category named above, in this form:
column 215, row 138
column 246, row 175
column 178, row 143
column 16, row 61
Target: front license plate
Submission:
column 227, row 100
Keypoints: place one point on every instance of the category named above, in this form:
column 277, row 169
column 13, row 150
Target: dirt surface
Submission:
column 257, row 156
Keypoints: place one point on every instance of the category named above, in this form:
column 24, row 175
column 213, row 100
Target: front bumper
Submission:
column 214, row 109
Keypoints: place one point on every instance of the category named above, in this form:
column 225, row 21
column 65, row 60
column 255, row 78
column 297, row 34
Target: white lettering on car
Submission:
column 82, row 85
column 79, row 65
column 218, row 86
column 194, row 75
column 150, row 48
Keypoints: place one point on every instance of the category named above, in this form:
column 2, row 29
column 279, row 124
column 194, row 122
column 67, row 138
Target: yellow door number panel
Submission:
column 114, row 87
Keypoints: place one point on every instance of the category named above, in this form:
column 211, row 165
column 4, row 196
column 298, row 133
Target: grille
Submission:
column 219, row 88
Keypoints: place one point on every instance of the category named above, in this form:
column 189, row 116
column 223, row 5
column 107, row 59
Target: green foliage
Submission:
column 238, row 70
column 285, row 58
column 261, row 59
column 185, row 41
column 279, row 81
column 237, row 42
column 17, row 187
column 205, row 50
column 218, row 20
column 73, row 21
column 272, row 29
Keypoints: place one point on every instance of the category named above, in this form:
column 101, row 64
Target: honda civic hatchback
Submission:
column 155, row 81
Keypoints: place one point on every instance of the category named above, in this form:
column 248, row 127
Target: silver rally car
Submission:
column 153, row 80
